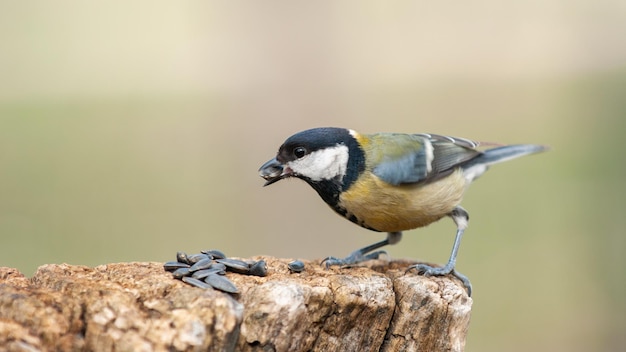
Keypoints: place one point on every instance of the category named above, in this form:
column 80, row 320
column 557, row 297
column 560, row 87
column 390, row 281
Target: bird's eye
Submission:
column 299, row 152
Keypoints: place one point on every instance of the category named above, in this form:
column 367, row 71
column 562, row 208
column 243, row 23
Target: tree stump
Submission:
column 140, row 307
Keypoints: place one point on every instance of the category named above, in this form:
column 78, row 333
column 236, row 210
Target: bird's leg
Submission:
column 461, row 219
column 365, row 253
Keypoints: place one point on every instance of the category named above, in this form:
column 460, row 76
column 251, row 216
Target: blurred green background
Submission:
column 131, row 130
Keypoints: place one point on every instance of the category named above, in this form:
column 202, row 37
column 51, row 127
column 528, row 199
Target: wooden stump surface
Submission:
column 140, row 307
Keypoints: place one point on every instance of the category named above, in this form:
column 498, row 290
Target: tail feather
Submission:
column 475, row 167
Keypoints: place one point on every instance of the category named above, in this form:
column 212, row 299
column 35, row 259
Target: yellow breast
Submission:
column 389, row 208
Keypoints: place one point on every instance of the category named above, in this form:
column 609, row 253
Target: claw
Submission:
column 375, row 255
column 333, row 261
column 427, row 270
column 355, row 257
column 465, row 281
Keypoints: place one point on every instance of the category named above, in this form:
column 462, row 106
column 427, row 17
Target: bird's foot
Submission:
column 355, row 257
column 428, row 270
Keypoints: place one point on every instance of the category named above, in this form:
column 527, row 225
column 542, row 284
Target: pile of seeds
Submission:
column 207, row 269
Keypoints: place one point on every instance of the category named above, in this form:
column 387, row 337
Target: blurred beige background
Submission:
column 130, row 131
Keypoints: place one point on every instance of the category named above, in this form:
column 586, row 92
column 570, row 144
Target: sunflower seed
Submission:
column 171, row 266
column 201, row 274
column 235, row 265
column 296, row 266
column 180, row 273
column 216, row 254
column 194, row 258
column 258, row 269
column 221, row 283
column 201, row 265
column 196, row 282
column 182, row 257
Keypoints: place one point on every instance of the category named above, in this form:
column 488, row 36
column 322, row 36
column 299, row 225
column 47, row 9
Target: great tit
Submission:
column 389, row 182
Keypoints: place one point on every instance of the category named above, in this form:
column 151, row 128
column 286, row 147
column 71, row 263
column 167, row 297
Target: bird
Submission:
column 390, row 182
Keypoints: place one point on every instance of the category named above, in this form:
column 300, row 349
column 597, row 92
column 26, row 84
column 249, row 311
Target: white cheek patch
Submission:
column 324, row 164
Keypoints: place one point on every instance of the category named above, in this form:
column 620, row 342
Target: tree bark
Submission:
column 140, row 307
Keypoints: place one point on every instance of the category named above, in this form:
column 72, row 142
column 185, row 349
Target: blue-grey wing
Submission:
column 434, row 157
column 410, row 167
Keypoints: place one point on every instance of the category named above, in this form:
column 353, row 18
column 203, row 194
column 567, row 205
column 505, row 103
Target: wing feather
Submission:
column 405, row 159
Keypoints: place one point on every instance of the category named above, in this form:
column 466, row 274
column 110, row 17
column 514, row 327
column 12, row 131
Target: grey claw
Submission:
column 374, row 255
column 427, row 270
column 354, row 258
column 331, row 261
column 465, row 281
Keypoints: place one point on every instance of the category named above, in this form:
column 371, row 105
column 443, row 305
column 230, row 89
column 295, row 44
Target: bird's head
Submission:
column 315, row 155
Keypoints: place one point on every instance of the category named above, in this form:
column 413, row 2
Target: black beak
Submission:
column 273, row 171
